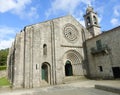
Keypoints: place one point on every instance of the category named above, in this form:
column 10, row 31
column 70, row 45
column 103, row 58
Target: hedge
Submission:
column 3, row 68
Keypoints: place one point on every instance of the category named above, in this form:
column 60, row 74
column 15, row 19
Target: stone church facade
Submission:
column 47, row 53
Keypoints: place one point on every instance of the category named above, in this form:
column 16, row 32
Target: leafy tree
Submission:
column 3, row 56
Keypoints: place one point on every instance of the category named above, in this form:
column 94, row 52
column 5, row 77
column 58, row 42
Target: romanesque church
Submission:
column 49, row 52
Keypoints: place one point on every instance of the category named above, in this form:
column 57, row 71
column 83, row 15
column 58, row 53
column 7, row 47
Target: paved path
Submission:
column 83, row 87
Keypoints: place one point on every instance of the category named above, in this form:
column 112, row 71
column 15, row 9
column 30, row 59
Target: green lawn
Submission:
column 4, row 82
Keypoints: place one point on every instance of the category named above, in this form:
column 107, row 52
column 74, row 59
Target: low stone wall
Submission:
column 108, row 88
column 3, row 73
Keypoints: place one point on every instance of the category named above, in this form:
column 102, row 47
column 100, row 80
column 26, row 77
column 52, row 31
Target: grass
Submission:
column 4, row 82
column 3, row 68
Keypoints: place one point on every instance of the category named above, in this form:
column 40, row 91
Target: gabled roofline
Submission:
column 49, row 20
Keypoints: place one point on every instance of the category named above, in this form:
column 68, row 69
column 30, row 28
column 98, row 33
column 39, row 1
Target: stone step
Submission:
column 73, row 78
column 108, row 88
column 4, row 88
column 44, row 83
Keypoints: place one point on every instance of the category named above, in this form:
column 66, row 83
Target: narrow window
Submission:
column 44, row 49
column 36, row 66
column 98, row 44
column 95, row 20
column 100, row 68
column 88, row 21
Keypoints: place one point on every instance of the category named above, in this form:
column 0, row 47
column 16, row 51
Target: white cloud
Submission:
column 100, row 18
column 115, row 21
column 79, row 17
column 6, row 6
column 30, row 14
column 7, row 34
column 6, row 43
column 66, row 5
column 117, row 11
column 18, row 7
column 87, row 2
column 33, row 13
column 82, row 22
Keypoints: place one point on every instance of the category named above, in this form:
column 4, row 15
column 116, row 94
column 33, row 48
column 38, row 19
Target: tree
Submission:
column 3, row 56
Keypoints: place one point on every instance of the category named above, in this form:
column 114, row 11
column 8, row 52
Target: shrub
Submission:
column 3, row 56
column 3, row 68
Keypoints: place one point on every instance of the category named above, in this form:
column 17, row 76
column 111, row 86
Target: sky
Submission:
column 16, row 14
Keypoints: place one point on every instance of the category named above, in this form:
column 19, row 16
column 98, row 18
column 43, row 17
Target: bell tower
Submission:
column 91, row 21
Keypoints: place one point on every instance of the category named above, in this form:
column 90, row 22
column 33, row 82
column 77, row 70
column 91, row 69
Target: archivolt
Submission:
column 73, row 56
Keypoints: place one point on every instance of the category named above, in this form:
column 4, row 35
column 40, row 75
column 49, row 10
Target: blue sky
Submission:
column 16, row 14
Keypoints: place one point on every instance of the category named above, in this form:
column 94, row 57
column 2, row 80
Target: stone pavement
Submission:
column 82, row 87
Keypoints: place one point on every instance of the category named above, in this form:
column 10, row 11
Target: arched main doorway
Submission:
column 68, row 68
column 45, row 72
column 72, row 63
